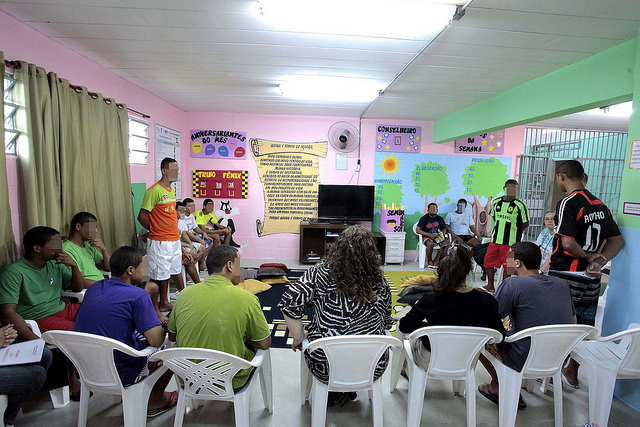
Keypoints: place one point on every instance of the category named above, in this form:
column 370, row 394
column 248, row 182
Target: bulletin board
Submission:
column 227, row 184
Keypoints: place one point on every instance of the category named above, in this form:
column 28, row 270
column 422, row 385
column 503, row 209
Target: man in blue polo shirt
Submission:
column 117, row 308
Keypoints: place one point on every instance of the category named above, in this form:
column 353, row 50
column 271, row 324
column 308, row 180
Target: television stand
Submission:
column 317, row 238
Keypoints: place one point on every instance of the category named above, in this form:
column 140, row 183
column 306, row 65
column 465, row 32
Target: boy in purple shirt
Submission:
column 117, row 308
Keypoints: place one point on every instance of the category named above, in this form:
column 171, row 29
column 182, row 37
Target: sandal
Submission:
column 494, row 396
column 173, row 401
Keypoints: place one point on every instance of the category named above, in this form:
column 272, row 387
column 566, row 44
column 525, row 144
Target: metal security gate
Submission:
column 601, row 154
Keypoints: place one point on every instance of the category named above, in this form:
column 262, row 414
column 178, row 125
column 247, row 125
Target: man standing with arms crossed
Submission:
column 158, row 215
column 586, row 238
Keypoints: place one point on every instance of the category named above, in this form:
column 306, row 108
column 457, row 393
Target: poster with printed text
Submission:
column 490, row 144
column 167, row 144
column 226, row 184
column 290, row 176
column 219, row 144
column 398, row 139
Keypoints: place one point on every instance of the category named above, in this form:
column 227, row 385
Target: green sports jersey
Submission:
column 86, row 257
column 508, row 217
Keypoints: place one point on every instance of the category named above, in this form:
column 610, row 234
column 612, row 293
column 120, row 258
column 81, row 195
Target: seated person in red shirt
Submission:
column 431, row 226
column 118, row 308
column 30, row 289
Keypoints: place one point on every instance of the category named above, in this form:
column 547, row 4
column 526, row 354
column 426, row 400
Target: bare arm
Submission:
column 155, row 336
column 8, row 315
column 77, row 279
column 262, row 344
column 172, row 336
column 524, row 226
column 421, row 232
column 297, row 331
column 143, row 218
column 570, row 245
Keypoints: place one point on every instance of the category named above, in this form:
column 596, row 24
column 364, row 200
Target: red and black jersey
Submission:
column 585, row 218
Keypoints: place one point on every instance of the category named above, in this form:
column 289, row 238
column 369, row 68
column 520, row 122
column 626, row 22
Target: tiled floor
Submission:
column 440, row 408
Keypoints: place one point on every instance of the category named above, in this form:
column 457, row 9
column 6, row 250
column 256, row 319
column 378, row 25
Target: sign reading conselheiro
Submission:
column 218, row 144
column 398, row 138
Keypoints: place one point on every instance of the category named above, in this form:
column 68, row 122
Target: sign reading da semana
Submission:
column 218, row 144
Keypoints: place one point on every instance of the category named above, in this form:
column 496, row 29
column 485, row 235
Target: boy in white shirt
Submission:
column 461, row 226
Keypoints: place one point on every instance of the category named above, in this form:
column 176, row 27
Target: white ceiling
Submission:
column 219, row 55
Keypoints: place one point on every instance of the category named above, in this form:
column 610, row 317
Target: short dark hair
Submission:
column 528, row 253
column 123, row 258
column 219, row 257
column 82, row 218
column 572, row 169
column 179, row 203
column 432, row 204
column 164, row 164
column 511, row 182
column 462, row 200
column 206, row 202
column 187, row 200
column 37, row 236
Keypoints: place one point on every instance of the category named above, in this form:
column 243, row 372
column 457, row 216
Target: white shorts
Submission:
column 165, row 259
column 196, row 245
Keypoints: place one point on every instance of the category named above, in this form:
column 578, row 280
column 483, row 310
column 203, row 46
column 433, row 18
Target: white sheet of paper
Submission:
column 22, row 353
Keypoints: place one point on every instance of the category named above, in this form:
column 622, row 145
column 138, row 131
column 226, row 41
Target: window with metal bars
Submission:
column 138, row 141
column 601, row 155
column 10, row 109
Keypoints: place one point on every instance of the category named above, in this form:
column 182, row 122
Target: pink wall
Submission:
column 296, row 129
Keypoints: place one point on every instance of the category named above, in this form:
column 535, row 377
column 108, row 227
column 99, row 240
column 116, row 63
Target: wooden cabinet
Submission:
column 316, row 240
column 394, row 247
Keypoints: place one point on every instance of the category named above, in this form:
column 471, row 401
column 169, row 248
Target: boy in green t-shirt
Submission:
column 30, row 289
column 86, row 249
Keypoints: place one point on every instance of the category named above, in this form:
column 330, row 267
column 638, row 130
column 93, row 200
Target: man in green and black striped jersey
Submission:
column 510, row 219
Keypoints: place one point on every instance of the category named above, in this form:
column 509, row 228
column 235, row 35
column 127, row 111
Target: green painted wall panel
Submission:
column 604, row 78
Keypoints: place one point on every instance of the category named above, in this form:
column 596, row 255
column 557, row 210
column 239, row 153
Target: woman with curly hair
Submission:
column 349, row 296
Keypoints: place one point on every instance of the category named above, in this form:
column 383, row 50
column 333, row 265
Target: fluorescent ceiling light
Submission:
column 618, row 110
column 330, row 89
column 403, row 19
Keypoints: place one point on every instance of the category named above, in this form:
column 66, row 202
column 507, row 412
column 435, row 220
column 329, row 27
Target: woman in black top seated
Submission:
column 452, row 303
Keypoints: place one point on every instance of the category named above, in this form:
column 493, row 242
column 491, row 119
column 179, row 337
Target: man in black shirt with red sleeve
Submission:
column 586, row 238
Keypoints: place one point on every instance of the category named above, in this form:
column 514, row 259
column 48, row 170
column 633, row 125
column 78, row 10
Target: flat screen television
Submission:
column 346, row 203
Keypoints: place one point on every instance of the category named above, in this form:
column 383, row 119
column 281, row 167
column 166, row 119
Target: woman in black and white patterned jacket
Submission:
column 349, row 296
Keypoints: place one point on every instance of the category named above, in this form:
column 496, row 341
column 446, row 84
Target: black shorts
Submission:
column 465, row 238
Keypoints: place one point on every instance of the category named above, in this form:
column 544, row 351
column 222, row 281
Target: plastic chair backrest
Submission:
column 630, row 364
column 205, row 373
column 415, row 229
column 353, row 358
column 92, row 355
column 550, row 346
column 454, row 349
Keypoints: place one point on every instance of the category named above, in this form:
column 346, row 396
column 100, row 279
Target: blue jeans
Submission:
column 20, row 382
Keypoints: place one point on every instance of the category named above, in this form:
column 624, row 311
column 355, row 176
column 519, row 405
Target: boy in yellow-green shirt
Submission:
column 208, row 222
column 86, row 249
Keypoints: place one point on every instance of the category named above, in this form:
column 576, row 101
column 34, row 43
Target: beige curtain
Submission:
column 76, row 158
column 8, row 250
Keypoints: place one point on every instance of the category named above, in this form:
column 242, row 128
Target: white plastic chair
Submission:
column 211, row 379
column 550, row 346
column 71, row 294
column 602, row 303
column 421, row 249
column 92, row 355
column 4, row 401
column 454, row 355
column 59, row 396
column 352, row 362
column 603, row 362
